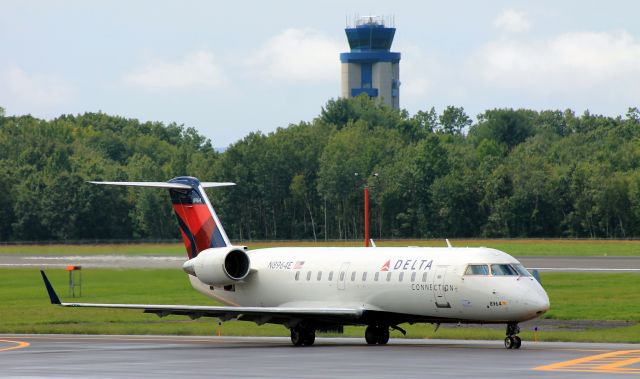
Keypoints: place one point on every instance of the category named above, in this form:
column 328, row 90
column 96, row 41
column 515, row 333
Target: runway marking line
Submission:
column 19, row 345
column 615, row 362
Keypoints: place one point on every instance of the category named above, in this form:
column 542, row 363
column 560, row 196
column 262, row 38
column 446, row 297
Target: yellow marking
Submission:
column 19, row 345
column 614, row 362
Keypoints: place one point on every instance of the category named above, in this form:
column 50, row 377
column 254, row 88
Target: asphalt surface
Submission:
column 580, row 264
column 560, row 264
column 91, row 261
column 73, row 356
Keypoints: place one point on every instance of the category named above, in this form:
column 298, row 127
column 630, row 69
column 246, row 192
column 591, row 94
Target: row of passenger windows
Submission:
column 497, row 270
column 354, row 275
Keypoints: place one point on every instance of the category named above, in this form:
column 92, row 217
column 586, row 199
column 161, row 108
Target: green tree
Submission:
column 453, row 120
column 506, row 126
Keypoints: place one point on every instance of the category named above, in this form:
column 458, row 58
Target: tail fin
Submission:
column 199, row 225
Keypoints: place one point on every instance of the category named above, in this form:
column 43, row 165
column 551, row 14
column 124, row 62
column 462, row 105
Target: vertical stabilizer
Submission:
column 199, row 225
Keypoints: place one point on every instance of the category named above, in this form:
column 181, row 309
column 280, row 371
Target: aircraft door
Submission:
column 342, row 275
column 439, row 292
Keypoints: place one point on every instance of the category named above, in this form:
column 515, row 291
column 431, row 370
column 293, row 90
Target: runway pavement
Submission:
column 272, row 357
column 560, row 264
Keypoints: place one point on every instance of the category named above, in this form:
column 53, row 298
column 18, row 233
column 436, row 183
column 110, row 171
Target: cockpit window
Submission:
column 521, row 270
column 477, row 270
column 503, row 269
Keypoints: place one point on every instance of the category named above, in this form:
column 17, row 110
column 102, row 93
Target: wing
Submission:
column 276, row 315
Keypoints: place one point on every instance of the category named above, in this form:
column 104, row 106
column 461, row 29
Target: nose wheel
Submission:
column 512, row 341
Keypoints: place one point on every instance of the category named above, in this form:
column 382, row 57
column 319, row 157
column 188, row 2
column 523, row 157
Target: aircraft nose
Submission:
column 539, row 302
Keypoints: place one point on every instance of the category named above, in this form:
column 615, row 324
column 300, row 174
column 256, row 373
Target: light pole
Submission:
column 366, row 210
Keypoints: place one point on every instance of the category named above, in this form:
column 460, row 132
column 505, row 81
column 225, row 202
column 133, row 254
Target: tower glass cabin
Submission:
column 370, row 67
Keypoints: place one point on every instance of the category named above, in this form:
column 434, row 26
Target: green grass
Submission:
column 593, row 296
column 26, row 309
column 516, row 247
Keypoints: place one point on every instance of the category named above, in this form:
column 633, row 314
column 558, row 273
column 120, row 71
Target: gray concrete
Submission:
column 561, row 264
column 266, row 357
column 582, row 264
column 91, row 261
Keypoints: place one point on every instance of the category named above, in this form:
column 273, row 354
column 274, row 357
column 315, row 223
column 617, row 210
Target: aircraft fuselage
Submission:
column 414, row 283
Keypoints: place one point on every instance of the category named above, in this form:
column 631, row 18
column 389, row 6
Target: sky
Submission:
column 228, row 68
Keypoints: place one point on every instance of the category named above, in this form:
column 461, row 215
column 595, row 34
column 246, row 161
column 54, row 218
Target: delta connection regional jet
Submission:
column 316, row 289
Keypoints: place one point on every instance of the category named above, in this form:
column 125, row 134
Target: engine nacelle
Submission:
column 219, row 266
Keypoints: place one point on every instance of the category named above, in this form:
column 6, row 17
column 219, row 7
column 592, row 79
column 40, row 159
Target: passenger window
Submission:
column 319, row 275
column 503, row 270
column 376, row 276
column 477, row 270
column 424, row 277
column 308, row 275
column 413, row 276
column 364, row 276
column 401, row 276
column 330, row 275
column 298, row 275
column 388, row 277
column 353, row 276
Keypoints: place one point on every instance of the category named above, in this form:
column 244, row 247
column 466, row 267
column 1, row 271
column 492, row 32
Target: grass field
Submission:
column 26, row 309
column 516, row 247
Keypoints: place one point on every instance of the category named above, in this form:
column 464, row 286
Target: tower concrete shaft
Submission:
column 370, row 67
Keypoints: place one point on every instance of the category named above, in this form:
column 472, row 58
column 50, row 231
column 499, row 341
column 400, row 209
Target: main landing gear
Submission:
column 301, row 336
column 512, row 341
column 377, row 334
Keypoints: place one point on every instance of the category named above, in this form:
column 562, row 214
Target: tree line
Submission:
column 510, row 173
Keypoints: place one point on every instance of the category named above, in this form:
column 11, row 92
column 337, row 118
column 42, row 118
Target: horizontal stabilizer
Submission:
column 216, row 184
column 165, row 184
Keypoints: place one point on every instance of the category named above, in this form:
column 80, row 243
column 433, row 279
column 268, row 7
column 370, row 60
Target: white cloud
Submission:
column 416, row 72
column 511, row 20
column 567, row 63
column 299, row 55
column 197, row 70
column 34, row 91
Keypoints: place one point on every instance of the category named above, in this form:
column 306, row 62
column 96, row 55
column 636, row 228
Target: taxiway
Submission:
column 274, row 357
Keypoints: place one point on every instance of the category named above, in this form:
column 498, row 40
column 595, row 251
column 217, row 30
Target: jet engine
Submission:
column 219, row 266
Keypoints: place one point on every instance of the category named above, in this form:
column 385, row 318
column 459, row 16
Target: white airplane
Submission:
column 322, row 289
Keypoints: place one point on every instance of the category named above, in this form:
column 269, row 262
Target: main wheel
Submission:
column 509, row 342
column 371, row 334
column 297, row 338
column 383, row 335
column 309, row 337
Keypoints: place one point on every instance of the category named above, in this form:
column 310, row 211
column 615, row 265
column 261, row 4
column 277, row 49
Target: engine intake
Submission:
column 219, row 266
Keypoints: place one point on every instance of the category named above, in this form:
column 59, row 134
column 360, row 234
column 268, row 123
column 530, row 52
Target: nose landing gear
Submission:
column 512, row 341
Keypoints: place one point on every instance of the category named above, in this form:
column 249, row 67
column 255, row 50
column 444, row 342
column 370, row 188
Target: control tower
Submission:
column 370, row 67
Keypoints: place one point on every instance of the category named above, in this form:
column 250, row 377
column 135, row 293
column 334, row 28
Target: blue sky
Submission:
column 229, row 68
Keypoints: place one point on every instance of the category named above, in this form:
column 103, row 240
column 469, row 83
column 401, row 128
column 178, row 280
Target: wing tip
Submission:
column 52, row 293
